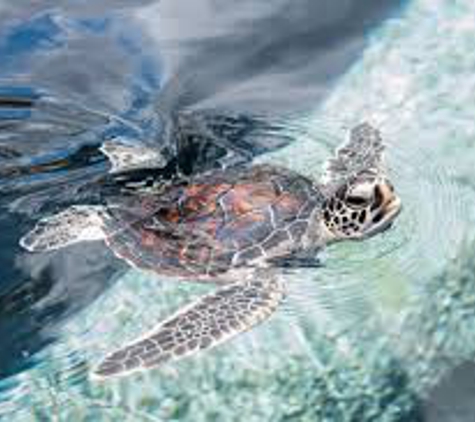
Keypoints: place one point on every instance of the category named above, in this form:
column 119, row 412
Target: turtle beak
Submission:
column 391, row 205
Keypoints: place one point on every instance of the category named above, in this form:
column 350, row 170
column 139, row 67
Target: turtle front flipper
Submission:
column 73, row 225
column 211, row 320
column 363, row 151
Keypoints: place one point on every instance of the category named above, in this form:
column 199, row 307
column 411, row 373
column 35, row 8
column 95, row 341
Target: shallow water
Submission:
column 375, row 333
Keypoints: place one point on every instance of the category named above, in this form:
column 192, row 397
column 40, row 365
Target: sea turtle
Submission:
column 229, row 227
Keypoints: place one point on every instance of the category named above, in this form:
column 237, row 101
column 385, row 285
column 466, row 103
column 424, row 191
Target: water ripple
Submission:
column 359, row 278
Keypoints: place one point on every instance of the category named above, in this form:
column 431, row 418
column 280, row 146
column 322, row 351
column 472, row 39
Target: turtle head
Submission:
column 362, row 207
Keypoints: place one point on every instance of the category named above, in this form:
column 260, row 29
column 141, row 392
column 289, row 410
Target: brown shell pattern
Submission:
column 218, row 221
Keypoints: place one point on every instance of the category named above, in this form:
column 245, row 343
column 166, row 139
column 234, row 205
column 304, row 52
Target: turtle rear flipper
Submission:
column 126, row 156
column 209, row 321
column 75, row 224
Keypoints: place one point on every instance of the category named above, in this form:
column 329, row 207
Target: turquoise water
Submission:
column 373, row 335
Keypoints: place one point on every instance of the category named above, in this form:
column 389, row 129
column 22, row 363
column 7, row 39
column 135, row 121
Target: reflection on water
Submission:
column 365, row 337
column 278, row 55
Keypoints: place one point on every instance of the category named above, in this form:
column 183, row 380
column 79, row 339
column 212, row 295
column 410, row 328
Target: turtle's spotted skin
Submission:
column 214, row 224
column 228, row 227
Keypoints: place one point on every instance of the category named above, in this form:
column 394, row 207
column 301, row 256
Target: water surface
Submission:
column 368, row 336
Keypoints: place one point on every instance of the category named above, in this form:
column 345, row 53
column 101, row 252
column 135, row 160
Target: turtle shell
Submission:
column 215, row 222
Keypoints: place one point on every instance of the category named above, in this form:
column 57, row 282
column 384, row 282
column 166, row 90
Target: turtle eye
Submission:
column 357, row 201
column 360, row 194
